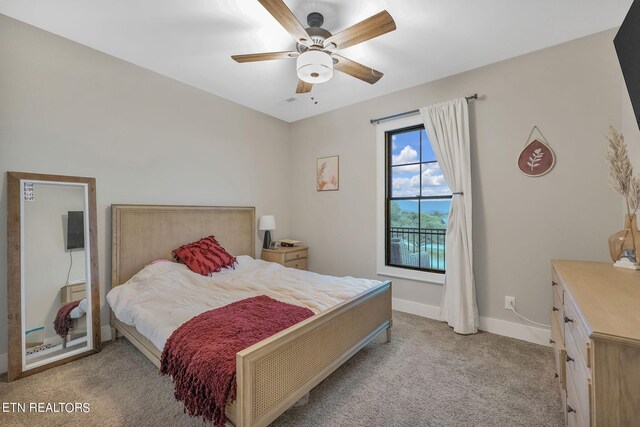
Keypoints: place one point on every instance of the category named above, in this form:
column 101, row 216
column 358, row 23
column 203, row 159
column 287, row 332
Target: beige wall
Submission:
column 571, row 92
column 630, row 130
column 67, row 109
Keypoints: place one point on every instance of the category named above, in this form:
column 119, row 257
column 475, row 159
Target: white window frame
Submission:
column 382, row 269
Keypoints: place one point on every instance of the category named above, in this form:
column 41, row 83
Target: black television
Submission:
column 75, row 230
column 627, row 43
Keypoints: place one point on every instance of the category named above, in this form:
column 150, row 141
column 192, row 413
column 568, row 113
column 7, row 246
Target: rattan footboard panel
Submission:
column 273, row 374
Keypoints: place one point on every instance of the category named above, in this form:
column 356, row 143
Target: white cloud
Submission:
column 432, row 175
column 407, row 169
column 436, row 191
column 407, row 155
column 406, row 187
column 433, row 182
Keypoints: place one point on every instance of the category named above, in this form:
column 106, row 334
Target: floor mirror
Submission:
column 53, row 292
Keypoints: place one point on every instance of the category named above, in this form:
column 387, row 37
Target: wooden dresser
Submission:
column 293, row 257
column 595, row 332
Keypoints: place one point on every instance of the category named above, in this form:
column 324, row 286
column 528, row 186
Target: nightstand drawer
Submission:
column 300, row 264
column 295, row 255
column 71, row 293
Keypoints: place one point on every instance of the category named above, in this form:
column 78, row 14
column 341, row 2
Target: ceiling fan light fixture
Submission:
column 314, row 66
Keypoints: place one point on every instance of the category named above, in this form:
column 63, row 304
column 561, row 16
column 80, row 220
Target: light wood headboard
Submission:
column 143, row 233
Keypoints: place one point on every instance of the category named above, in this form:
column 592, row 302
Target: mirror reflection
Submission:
column 55, row 264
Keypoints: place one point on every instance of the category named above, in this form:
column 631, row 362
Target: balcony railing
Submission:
column 424, row 246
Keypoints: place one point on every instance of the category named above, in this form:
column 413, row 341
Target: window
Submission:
column 417, row 201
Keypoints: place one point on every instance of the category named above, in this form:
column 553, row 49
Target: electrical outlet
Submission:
column 509, row 303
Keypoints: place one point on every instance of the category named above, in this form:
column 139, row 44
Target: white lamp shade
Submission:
column 267, row 222
column 314, row 66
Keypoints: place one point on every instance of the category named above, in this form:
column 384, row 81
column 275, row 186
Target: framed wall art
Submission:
column 327, row 174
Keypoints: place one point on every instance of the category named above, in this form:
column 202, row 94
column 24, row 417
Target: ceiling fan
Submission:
column 316, row 56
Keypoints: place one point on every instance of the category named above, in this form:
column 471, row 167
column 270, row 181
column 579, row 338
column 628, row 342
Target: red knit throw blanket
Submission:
column 64, row 322
column 200, row 355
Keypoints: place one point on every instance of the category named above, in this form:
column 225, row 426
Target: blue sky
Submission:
column 405, row 149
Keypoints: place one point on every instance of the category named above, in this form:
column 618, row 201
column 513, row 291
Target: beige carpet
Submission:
column 427, row 376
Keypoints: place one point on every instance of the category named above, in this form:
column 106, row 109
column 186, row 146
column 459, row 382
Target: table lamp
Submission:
column 267, row 223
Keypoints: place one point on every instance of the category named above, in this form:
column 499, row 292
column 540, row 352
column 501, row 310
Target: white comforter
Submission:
column 162, row 296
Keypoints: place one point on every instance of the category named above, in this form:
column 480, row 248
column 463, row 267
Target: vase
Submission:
column 626, row 242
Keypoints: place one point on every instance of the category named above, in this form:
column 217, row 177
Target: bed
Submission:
column 275, row 373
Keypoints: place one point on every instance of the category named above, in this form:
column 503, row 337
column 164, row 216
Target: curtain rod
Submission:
column 407, row 113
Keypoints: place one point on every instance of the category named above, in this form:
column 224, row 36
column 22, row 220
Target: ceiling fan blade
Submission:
column 287, row 19
column 267, row 56
column 304, row 87
column 377, row 25
column 356, row 70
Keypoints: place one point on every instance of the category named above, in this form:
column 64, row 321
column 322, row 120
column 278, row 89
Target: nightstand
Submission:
column 75, row 292
column 293, row 257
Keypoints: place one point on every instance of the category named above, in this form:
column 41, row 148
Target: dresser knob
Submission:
column 570, row 409
column 554, row 309
column 567, row 320
column 568, row 358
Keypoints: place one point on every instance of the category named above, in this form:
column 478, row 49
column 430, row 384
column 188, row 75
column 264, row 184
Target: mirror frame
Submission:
column 14, row 268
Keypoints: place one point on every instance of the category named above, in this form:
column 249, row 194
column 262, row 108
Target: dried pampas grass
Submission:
column 620, row 169
column 634, row 194
column 621, row 177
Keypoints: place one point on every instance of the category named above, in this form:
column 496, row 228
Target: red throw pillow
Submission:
column 205, row 256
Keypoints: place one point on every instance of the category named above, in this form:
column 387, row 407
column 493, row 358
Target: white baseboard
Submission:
column 516, row 329
column 105, row 333
column 412, row 307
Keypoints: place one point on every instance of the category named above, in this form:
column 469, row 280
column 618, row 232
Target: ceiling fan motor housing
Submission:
column 316, row 32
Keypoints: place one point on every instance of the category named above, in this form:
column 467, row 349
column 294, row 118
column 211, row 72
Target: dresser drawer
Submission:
column 573, row 408
column 574, row 326
column 557, row 312
column 558, row 352
column 296, row 255
column 558, row 301
column 560, row 356
column 579, row 391
column 300, row 264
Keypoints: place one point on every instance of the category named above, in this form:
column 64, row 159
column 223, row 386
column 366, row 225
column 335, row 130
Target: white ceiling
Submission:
column 192, row 40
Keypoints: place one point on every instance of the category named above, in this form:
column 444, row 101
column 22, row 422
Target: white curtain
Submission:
column 447, row 125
